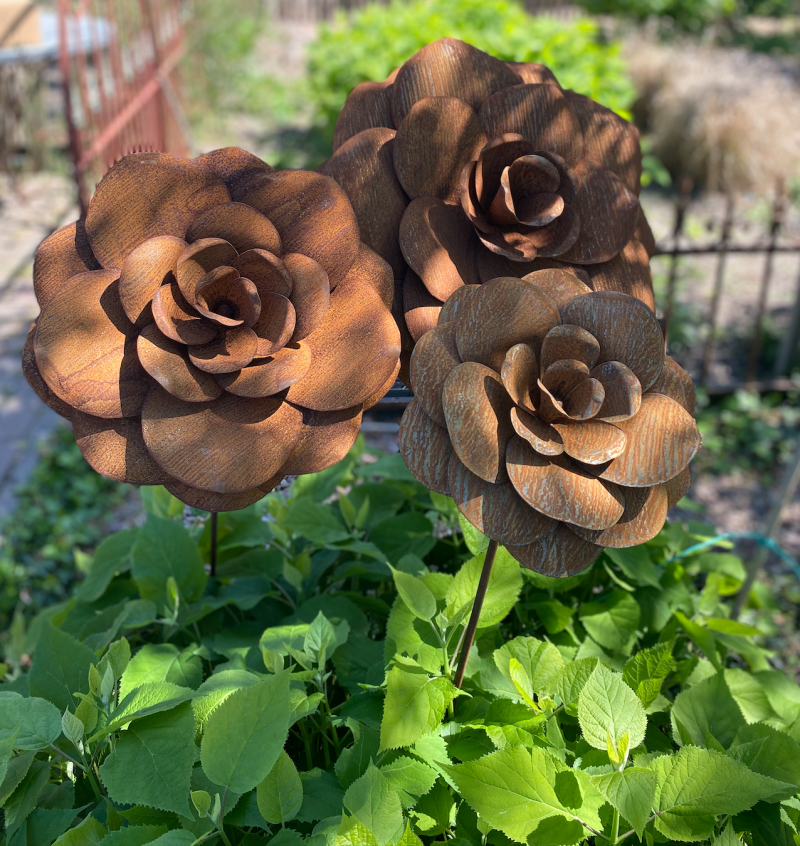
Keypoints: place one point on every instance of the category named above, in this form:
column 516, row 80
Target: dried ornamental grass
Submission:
column 551, row 415
column 212, row 326
column 462, row 168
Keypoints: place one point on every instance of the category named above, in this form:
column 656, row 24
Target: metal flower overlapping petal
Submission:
column 212, row 326
column 462, row 168
column 551, row 415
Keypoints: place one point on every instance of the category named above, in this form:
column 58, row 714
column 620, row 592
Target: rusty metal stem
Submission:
column 213, row 555
column 474, row 617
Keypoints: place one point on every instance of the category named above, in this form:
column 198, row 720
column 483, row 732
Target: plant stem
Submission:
column 68, row 757
column 307, row 744
column 472, row 626
column 615, row 828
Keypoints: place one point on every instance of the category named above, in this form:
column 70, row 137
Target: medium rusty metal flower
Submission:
column 551, row 415
column 212, row 326
column 462, row 168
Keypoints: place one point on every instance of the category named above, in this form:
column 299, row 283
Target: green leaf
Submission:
column 201, row 799
column 410, row 778
column 6, row 749
column 408, row 534
column 357, row 661
column 315, row 522
column 647, row 670
column 609, row 709
column 280, row 794
column 706, row 710
column 174, row 838
column 34, row 723
column 541, row 661
column 353, row 762
column 613, row 622
column 371, row 801
column 89, row 833
column 138, row 835
column 505, row 584
column 72, row 727
column 695, row 785
column 417, row 596
column 415, row 704
column 555, row 616
column 631, row 792
column 475, row 540
column 770, row 753
column 60, row 669
column 512, row 789
column 159, row 662
column 351, row 833
column 164, row 548
column 16, row 770
column 436, row 811
column 322, row 796
column 111, row 557
column 152, row 762
column 48, row 824
column 750, row 696
column 245, row 735
column 729, row 837
column 702, row 638
column 320, row 639
column 118, row 657
column 216, row 689
column 24, row 799
column 635, row 563
column 150, row 698
column 570, row 681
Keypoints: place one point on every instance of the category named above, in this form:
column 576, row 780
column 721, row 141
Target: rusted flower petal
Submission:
column 519, row 373
column 168, row 363
column 549, row 407
column 492, row 266
column 591, row 441
column 231, row 350
column 477, row 410
column 626, row 329
column 608, row 212
column 623, row 391
column 420, row 308
column 275, row 326
column 62, row 255
column 500, row 314
column 585, row 400
column 364, row 168
column 240, row 225
column 437, row 138
column 676, row 383
column 233, row 165
column 662, row 440
column 268, row 376
column 560, row 554
column 456, row 302
column 434, row 357
column 609, row 140
column 628, row 272
column 677, row 487
column 540, row 114
column 644, row 234
column 533, row 73
column 559, row 488
column 85, row 347
column 379, row 273
column 425, row 447
column 495, row 510
column 559, row 285
column 543, row 437
column 368, row 106
column 115, row 448
column 524, row 243
column 219, row 502
column 178, row 320
column 265, row 270
column 326, row 438
column 495, row 157
column 569, row 342
column 439, row 244
column 384, row 389
column 31, row 372
column 323, row 225
column 310, row 294
column 562, row 376
column 645, row 513
column 226, row 299
column 197, row 260
column 146, row 195
column 448, row 68
column 229, row 445
column 145, row 270
column 354, row 349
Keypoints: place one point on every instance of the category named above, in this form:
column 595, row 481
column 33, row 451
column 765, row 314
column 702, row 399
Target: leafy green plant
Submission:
column 673, row 15
column 304, row 693
column 370, row 43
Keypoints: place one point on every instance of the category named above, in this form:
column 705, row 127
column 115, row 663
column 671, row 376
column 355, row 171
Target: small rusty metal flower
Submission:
column 551, row 415
column 462, row 168
column 212, row 326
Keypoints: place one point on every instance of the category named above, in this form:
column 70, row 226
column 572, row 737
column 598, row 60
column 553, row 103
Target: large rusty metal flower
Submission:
column 551, row 415
column 212, row 326
column 462, row 168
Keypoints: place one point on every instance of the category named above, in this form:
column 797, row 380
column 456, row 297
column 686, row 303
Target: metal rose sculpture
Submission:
column 212, row 326
column 551, row 415
column 462, row 168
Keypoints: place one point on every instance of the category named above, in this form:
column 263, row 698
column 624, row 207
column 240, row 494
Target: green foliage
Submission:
column 371, row 42
column 681, row 15
column 304, row 693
